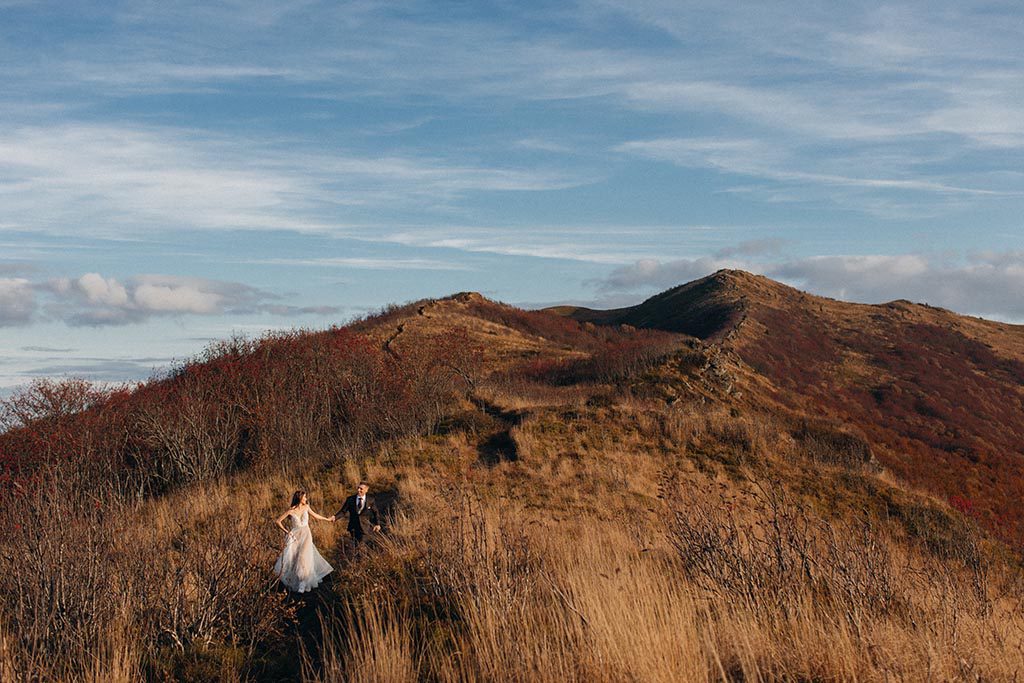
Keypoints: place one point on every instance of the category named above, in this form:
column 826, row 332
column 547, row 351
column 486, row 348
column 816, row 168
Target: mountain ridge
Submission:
column 941, row 395
column 736, row 287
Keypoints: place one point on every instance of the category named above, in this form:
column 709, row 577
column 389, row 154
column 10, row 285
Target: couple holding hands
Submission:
column 300, row 566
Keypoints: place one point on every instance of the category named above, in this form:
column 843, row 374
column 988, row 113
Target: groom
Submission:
column 355, row 507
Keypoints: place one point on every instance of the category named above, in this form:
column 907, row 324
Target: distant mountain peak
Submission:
column 709, row 307
column 736, row 275
column 466, row 297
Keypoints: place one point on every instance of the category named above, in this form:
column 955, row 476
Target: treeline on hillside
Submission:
column 240, row 403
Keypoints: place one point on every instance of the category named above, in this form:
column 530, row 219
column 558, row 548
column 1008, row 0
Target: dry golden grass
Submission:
column 179, row 586
column 376, row 646
column 499, row 592
column 501, row 344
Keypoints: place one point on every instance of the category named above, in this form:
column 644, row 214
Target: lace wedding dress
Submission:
column 300, row 566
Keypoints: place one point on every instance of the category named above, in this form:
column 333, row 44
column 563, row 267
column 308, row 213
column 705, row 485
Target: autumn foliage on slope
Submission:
column 292, row 395
column 945, row 411
column 939, row 396
column 240, row 403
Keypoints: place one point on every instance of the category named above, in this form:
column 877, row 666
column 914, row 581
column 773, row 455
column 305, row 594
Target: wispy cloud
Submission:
column 604, row 244
column 763, row 160
column 822, row 85
column 544, row 145
column 16, row 268
column 113, row 179
column 367, row 263
column 94, row 369
column 765, row 246
column 47, row 349
column 771, row 107
column 596, row 137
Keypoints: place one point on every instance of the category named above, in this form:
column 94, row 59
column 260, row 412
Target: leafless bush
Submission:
column 68, row 423
column 214, row 589
column 192, row 437
column 57, row 581
column 87, row 593
column 768, row 550
column 832, row 444
column 48, row 399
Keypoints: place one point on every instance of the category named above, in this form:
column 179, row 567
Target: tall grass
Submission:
column 96, row 587
column 496, row 592
column 472, row 584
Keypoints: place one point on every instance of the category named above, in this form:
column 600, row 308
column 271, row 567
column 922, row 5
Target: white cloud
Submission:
column 990, row 285
column 95, row 300
column 103, row 292
column 654, row 273
column 837, row 273
column 180, row 298
column 17, row 301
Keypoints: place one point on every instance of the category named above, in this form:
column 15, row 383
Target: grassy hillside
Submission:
column 565, row 501
column 939, row 396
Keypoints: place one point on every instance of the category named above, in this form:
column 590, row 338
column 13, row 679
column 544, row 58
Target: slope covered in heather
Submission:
column 939, row 396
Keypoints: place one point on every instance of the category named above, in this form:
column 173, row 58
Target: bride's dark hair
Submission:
column 297, row 497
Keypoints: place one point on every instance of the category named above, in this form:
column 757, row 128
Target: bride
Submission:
column 300, row 566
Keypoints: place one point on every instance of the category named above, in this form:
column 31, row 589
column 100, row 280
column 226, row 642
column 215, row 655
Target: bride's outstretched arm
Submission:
column 320, row 517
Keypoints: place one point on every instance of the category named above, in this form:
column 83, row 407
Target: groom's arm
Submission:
column 372, row 509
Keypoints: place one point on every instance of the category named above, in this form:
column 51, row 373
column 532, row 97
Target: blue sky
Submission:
column 172, row 173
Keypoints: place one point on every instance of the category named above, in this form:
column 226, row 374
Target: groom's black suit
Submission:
column 356, row 516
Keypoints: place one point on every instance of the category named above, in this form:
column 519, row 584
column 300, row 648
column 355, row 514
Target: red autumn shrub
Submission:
column 239, row 403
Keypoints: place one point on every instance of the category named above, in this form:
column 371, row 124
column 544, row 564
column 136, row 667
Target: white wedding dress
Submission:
column 301, row 566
